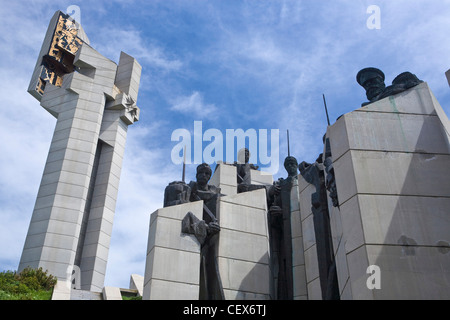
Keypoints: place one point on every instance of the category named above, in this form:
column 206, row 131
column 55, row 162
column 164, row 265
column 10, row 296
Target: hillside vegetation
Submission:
column 30, row 284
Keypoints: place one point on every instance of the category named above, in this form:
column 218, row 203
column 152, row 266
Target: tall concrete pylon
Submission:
column 94, row 101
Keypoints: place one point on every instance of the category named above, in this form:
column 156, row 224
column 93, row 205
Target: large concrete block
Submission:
column 397, row 220
column 309, row 236
column 62, row 228
column 96, row 250
column 261, row 177
column 442, row 116
column 300, row 290
column 97, row 280
column 244, row 276
column 299, row 275
column 77, row 294
column 340, row 258
column 391, row 161
column 111, row 293
column 128, row 75
column 166, row 290
column 254, row 199
column 173, row 265
column 352, row 224
column 225, row 178
column 243, row 248
column 336, row 226
column 314, row 290
column 294, row 199
column 358, row 263
column 345, row 177
column 166, row 232
column 311, row 263
column 346, row 292
column 391, row 173
column 173, row 258
column 298, row 257
column 61, row 241
column 227, row 190
column 406, row 272
column 339, row 138
column 57, row 269
column 243, row 295
column 58, row 100
column 296, row 224
column 137, row 283
column 417, row 100
column 235, row 218
column 179, row 211
column 305, row 200
column 61, row 291
column 414, row 174
column 394, row 132
column 412, row 121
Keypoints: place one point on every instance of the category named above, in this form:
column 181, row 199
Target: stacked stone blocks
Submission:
column 392, row 163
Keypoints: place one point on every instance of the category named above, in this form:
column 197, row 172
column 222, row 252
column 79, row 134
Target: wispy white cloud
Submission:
column 110, row 41
column 194, row 104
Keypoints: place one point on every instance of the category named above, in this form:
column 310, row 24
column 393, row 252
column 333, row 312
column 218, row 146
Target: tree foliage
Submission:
column 30, row 284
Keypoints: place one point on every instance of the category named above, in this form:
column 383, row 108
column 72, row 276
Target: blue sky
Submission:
column 231, row 64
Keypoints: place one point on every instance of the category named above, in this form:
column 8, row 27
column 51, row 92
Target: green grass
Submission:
column 128, row 298
column 30, row 284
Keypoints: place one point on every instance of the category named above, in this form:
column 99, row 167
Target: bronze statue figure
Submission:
column 330, row 180
column 206, row 230
column 243, row 172
column 314, row 174
column 372, row 80
column 279, row 203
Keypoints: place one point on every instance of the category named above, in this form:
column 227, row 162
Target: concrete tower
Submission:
column 94, row 101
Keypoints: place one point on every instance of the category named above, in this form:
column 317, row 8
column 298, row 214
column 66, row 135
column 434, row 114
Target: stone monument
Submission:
column 255, row 251
column 208, row 244
column 94, row 101
column 385, row 171
column 280, row 204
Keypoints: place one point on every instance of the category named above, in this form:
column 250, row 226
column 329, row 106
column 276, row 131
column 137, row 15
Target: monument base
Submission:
column 173, row 258
column 392, row 162
column 172, row 270
column 244, row 246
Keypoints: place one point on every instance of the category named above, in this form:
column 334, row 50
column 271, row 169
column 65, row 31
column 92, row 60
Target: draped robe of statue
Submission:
column 314, row 174
column 210, row 282
column 206, row 230
column 280, row 235
column 279, row 203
